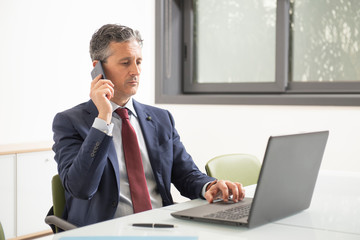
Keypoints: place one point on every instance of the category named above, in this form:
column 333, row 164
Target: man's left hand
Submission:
column 224, row 189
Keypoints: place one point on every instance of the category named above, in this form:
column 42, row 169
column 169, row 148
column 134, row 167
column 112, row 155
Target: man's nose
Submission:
column 135, row 69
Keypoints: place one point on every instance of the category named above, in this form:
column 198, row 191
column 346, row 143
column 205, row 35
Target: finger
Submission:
column 234, row 190
column 223, row 188
column 209, row 197
column 213, row 193
column 106, row 90
column 108, row 93
column 96, row 79
column 103, row 90
column 101, row 84
column 241, row 191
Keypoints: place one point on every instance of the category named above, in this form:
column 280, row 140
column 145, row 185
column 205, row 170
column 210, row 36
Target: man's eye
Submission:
column 125, row 63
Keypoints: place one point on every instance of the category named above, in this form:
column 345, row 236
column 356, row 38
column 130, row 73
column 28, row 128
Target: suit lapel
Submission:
column 149, row 130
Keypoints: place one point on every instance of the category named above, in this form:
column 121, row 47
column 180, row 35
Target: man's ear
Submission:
column 95, row 62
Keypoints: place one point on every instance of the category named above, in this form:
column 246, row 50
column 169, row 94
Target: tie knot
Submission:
column 123, row 113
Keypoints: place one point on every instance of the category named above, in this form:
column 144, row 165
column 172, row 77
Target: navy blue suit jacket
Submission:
column 89, row 169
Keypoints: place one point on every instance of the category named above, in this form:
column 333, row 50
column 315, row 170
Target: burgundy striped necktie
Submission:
column 138, row 189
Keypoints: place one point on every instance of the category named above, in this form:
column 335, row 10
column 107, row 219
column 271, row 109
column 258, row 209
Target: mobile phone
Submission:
column 98, row 69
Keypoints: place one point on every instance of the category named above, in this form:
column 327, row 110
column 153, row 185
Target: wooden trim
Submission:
column 25, row 147
column 33, row 235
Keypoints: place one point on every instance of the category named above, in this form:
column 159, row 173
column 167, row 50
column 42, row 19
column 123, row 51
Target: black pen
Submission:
column 153, row 225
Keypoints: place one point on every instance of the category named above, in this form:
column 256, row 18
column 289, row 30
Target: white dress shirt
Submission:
column 125, row 205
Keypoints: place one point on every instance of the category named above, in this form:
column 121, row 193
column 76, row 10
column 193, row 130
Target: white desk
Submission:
column 323, row 220
column 335, row 205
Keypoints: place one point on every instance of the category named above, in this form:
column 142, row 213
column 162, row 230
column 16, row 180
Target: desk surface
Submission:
column 333, row 214
column 25, row 147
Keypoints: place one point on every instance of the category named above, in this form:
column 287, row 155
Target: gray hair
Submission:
column 99, row 43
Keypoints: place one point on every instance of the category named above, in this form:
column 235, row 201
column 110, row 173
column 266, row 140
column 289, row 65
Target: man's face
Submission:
column 123, row 68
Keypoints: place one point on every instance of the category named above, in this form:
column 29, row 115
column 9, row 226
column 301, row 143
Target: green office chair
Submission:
column 2, row 234
column 58, row 196
column 243, row 168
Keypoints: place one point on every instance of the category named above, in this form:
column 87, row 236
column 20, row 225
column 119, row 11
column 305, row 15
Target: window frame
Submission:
column 174, row 68
column 281, row 58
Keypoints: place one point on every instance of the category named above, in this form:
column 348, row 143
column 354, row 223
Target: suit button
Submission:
column 114, row 204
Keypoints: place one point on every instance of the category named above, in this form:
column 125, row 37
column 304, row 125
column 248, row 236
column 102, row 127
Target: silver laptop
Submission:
column 285, row 185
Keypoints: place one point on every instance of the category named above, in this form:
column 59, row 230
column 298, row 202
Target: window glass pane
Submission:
column 326, row 40
column 234, row 41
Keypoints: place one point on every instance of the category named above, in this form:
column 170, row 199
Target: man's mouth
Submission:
column 133, row 80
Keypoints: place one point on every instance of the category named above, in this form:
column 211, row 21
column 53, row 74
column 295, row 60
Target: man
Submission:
column 89, row 146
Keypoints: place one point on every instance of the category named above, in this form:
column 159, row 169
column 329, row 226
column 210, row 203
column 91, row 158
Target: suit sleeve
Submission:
column 186, row 176
column 81, row 154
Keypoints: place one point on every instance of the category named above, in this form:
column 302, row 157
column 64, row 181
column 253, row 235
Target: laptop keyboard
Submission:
column 234, row 213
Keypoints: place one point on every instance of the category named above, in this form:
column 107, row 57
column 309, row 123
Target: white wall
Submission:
column 44, row 58
column 246, row 129
column 45, row 68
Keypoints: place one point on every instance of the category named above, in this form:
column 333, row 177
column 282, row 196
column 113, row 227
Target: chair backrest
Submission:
column 243, row 168
column 2, row 234
column 58, row 195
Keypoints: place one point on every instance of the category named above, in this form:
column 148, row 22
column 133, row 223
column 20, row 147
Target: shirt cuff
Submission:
column 101, row 125
column 204, row 189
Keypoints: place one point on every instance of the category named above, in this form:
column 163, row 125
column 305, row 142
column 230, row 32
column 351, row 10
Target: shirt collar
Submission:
column 129, row 105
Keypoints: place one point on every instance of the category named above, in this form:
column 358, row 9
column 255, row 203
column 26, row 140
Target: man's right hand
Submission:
column 102, row 90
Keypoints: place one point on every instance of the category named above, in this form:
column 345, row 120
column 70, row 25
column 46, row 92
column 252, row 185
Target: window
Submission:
column 325, row 46
column 258, row 52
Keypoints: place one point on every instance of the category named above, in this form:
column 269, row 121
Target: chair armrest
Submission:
column 60, row 223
